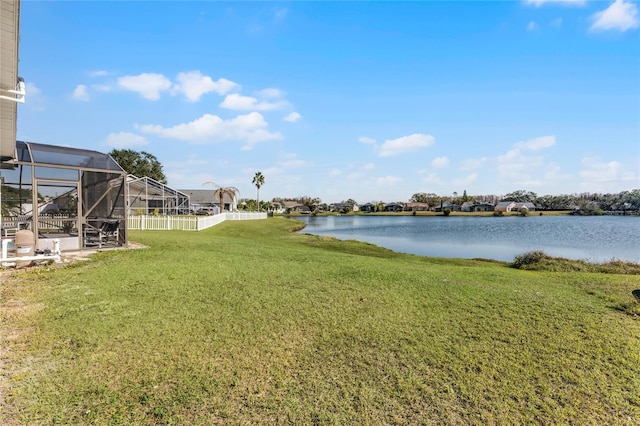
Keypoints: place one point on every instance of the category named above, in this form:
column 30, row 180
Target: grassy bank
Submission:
column 249, row 323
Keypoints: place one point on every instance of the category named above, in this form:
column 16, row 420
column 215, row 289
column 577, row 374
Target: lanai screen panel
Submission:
column 148, row 196
column 61, row 192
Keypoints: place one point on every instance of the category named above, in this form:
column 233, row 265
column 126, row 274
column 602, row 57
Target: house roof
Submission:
column 204, row 196
column 505, row 203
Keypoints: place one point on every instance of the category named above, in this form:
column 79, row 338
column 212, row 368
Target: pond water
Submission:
column 591, row 238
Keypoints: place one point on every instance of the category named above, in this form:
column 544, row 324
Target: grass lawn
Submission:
column 249, row 323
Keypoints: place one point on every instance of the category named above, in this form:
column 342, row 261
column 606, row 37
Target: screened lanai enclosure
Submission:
column 150, row 197
column 74, row 195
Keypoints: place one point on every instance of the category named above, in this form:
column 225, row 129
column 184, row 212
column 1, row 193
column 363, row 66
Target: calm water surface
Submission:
column 591, row 238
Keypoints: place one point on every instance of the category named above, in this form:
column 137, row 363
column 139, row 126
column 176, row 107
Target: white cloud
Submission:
column 35, row 98
column 539, row 3
column 467, row 180
column 532, row 26
column 102, row 87
column 388, row 180
column 250, row 128
column 405, row 144
column 271, row 93
column 292, row 118
column 620, row 16
column 193, row 85
column 293, row 164
column 31, row 89
column 235, row 101
column 600, row 176
column 432, row 178
column 369, row 166
column 536, row 144
column 440, row 162
column 125, row 140
column 147, row 85
column 80, row 93
column 98, row 73
column 357, row 176
column 367, row 140
column 472, row 163
column 519, row 167
column 335, row 172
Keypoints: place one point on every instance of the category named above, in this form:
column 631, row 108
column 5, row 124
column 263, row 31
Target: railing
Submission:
column 187, row 223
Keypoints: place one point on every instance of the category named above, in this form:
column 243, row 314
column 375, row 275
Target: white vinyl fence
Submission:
column 187, row 223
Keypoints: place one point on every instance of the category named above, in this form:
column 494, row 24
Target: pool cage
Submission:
column 150, row 197
column 74, row 195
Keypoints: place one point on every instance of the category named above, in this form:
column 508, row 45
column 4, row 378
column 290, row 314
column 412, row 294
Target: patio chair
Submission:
column 107, row 234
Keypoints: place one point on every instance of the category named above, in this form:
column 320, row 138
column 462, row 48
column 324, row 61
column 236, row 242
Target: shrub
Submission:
column 530, row 258
column 498, row 213
column 446, row 211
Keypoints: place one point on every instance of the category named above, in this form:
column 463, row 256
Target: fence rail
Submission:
column 187, row 223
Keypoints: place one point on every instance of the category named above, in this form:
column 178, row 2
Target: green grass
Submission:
column 249, row 323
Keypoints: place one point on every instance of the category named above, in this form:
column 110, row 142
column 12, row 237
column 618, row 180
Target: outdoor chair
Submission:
column 107, row 234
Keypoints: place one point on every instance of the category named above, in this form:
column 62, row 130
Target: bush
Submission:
column 540, row 261
column 446, row 211
column 528, row 259
column 498, row 213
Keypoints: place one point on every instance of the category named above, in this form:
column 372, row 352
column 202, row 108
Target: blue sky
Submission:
column 337, row 100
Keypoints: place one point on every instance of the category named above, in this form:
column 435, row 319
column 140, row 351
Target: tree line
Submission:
column 588, row 202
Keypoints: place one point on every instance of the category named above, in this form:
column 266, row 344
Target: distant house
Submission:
column 204, row 198
column 278, row 207
column 505, row 206
column 467, row 206
column 530, row 207
column 296, row 207
column 368, row 208
column 483, row 207
column 393, row 207
column 344, row 207
column 452, row 207
column 416, row 207
column 476, row 207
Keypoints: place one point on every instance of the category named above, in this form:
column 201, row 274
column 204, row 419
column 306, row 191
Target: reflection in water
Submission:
column 592, row 238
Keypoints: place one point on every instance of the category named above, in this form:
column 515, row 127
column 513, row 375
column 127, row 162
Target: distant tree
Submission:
column 140, row 164
column 221, row 191
column 521, row 196
column 419, row 197
column 423, row 197
column 231, row 191
column 258, row 181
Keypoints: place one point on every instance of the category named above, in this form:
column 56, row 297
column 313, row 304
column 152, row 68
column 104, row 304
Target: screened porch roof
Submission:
column 152, row 189
column 53, row 155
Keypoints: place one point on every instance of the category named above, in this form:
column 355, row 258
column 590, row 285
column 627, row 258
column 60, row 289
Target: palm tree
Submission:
column 221, row 191
column 258, row 181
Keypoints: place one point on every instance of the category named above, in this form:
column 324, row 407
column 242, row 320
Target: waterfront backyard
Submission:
column 250, row 323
